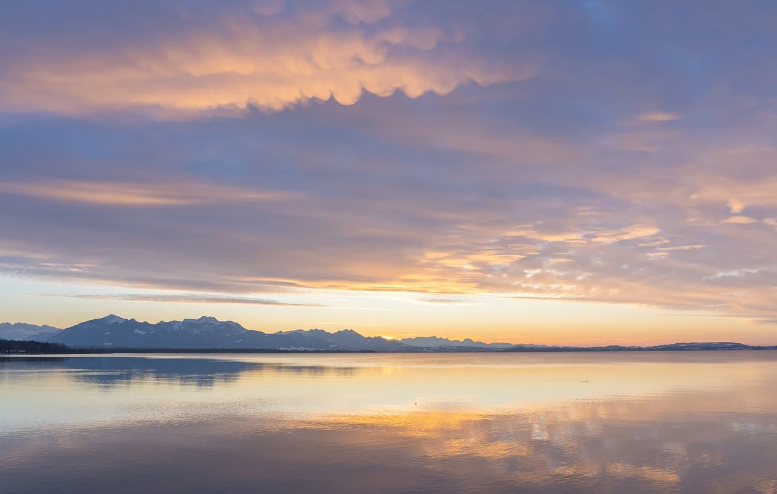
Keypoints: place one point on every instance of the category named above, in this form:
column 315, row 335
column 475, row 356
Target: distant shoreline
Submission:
column 23, row 348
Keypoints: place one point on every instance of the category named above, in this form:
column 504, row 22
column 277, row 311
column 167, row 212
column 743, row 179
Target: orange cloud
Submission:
column 736, row 206
column 740, row 220
column 598, row 236
column 136, row 194
column 239, row 62
column 658, row 117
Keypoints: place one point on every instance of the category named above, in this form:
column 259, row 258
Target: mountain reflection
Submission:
column 200, row 372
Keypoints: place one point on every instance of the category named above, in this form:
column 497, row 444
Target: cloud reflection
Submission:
column 713, row 437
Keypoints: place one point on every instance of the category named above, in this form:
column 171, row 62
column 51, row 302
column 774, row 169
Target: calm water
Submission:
column 475, row 423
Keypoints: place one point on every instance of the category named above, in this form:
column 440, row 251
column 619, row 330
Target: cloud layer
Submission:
column 219, row 55
column 601, row 151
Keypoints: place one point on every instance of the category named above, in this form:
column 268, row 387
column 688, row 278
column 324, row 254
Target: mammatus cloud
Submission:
column 266, row 55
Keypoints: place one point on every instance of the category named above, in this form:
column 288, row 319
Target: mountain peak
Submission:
column 208, row 320
column 201, row 320
column 112, row 319
column 22, row 331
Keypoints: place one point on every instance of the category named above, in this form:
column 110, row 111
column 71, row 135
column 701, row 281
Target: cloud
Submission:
column 438, row 300
column 427, row 169
column 245, row 55
column 599, row 235
column 740, row 220
column 187, row 299
column 631, row 232
column 130, row 194
column 658, row 117
column 268, row 7
column 681, row 247
column 735, row 206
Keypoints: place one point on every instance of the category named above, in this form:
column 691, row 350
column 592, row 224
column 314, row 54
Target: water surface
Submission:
column 701, row 422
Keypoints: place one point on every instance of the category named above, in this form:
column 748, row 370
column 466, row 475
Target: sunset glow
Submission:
column 396, row 167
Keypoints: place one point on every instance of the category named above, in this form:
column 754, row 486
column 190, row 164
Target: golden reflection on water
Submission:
column 458, row 423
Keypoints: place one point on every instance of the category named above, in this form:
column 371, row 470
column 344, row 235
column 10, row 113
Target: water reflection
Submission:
column 112, row 371
column 685, row 424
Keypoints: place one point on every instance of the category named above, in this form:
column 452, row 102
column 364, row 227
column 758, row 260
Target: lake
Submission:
column 703, row 422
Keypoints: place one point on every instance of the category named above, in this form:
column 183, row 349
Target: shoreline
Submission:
column 213, row 351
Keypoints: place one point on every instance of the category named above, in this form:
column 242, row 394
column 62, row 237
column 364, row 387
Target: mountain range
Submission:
column 208, row 333
column 21, row 331
column 204, row 333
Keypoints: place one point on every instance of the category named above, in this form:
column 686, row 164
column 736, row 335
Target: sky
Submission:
column 528, row 171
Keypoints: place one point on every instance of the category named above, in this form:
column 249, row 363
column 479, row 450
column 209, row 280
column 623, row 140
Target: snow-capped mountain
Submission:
column 348, row 338
column 437, row 342
column 29, row 332
column 209, row 333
